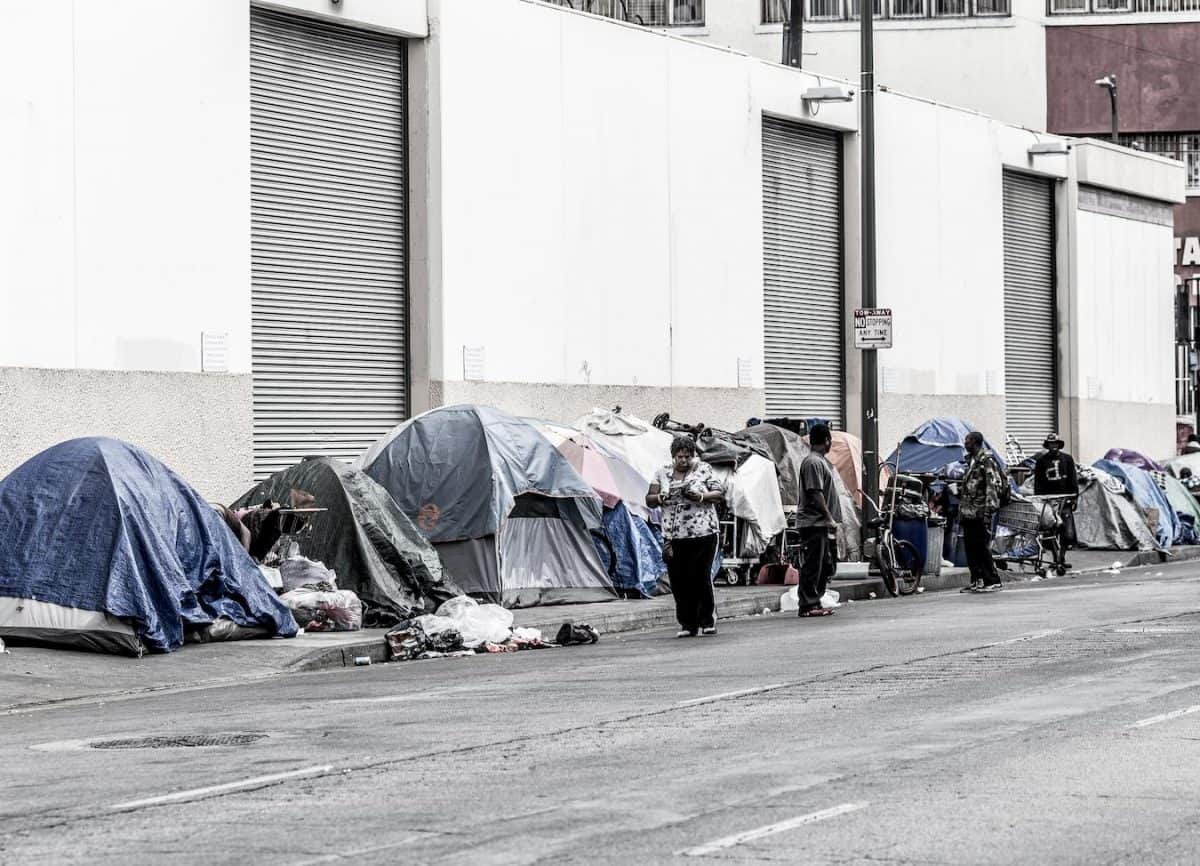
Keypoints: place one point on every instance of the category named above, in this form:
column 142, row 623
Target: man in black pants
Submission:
column 817, row 521
column 979, row 500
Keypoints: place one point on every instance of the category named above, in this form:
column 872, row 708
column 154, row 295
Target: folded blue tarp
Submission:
column 639, row 564
column 98, row 525
column 1148, row 495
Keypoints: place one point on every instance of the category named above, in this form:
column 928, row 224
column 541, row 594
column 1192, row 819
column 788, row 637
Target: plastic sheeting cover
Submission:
column 753, row 495
column 1109, row 520
column 100, row 525
column 644, row 447
column 1150, row 499
column 456, row 471
column 364, row 537
column 787, row 450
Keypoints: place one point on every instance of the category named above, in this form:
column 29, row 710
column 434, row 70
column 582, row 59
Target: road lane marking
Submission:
column 769, row 830
column 1166, row 717
column 738, row 694
column 214, row 790
column 374, row 849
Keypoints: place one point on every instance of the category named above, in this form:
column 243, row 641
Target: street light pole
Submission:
column 870, row 369
column 1109, row 83
column 793, row 35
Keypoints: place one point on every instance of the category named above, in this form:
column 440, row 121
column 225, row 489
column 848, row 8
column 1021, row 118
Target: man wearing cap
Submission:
column 1054, row 474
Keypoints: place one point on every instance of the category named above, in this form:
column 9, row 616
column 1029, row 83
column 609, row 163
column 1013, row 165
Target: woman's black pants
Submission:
column 690, row 570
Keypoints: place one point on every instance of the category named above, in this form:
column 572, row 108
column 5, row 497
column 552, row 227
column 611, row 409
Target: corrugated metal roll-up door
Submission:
column 802, row 271
column 327, row 239
column 1030, row 342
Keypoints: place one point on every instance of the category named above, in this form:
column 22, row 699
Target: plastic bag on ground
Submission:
column 296, row 571
column 478, row 623
column 317, row 610
column 831, row 599
column 790, row 600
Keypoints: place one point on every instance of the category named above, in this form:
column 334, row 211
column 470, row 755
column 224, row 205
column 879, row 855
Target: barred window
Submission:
column 774, row 11
column 824, row 10
column 1183, row 146
column 880, row 11
column 908, row 8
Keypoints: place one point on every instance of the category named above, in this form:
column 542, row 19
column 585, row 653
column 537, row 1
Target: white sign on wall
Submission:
column 873, row 328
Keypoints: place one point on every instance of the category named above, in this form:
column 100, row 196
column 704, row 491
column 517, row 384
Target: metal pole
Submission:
column 1112, row 95
column 793, row 38
column 870, row 369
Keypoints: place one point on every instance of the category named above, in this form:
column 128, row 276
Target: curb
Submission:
column 748, row 602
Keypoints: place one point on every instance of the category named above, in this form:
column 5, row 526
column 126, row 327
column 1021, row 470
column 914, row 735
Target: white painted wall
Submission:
column 402, row 17
column 993, row 65
column 601, row 198
column 125, row 178
column 1126, row 323
column 126, row 232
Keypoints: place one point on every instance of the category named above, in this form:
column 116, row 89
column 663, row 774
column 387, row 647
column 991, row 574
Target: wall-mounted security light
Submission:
column 1043, row 148
column 834, row 93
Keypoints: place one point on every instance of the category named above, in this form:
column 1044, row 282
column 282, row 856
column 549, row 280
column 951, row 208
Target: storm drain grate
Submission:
column 185, row 741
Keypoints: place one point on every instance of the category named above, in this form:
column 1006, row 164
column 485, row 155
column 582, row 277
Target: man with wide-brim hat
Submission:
column 1055, row 474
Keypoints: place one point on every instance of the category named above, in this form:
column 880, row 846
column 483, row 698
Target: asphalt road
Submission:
column 1056, row 722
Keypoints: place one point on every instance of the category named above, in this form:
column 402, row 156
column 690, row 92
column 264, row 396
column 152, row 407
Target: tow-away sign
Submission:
column 873, row 328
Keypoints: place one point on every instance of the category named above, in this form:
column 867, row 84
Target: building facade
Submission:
column 315, row 219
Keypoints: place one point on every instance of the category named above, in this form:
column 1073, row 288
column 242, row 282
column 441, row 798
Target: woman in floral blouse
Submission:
column 687, row 491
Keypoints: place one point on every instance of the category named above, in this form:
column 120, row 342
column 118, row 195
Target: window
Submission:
column 1112, row 5
column 992, row 7
column 854, row 9
column 824, row 10
column 650, row 13
column 1108, row 7
column 688, row 13
column 774, row 11
column 950, row 8
column 908, row 8
column 1062, row 7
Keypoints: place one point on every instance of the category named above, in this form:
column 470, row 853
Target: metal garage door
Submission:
column 802, row 271
column 1030, row 344
column 327, row 238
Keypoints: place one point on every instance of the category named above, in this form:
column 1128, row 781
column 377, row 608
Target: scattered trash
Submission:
column 3, row 649
column 477, row 623
column 299, row 571
column 871, row 595
column 462, row 627
column 766, row 611
column 576, row 633
column 1158, row 574
column 362, row 661
column 831, row 599
column 273, row 575
column 851, row 601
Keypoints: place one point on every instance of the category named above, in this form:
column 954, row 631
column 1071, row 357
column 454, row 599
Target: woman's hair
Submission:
column 682, row 443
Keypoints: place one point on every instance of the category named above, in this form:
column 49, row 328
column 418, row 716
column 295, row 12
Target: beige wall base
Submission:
column 200, row 425
column 1145, row 427
column 723, row 408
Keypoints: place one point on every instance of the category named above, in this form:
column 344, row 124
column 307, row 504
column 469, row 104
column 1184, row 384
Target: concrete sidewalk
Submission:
column 32, row 677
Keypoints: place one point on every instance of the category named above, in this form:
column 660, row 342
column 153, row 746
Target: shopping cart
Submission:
column 1029, row 534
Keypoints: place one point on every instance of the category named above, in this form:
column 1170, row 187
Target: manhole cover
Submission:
column 185, row 741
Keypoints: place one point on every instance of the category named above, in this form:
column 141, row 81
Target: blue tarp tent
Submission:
column 103, row 547
column 1148, row 496
column 934, row 445
column 639, row 564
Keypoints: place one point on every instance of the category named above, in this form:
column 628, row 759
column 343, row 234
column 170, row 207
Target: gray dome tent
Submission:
column 509, row 516
column 363, row 536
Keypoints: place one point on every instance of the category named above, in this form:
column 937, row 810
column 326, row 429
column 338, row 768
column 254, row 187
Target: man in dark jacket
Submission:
column 817, row 520
column 1054, row 473
column 978, row 502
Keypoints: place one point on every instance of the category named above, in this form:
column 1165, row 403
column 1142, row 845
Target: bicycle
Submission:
column 899, row 562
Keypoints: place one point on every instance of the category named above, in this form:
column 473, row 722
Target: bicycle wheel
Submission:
column 908, row 567
column 887, row 566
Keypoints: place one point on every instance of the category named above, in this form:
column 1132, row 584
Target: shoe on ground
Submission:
column 992, row 587
column 973, row 586
column 708, row 630
column 686, row 632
